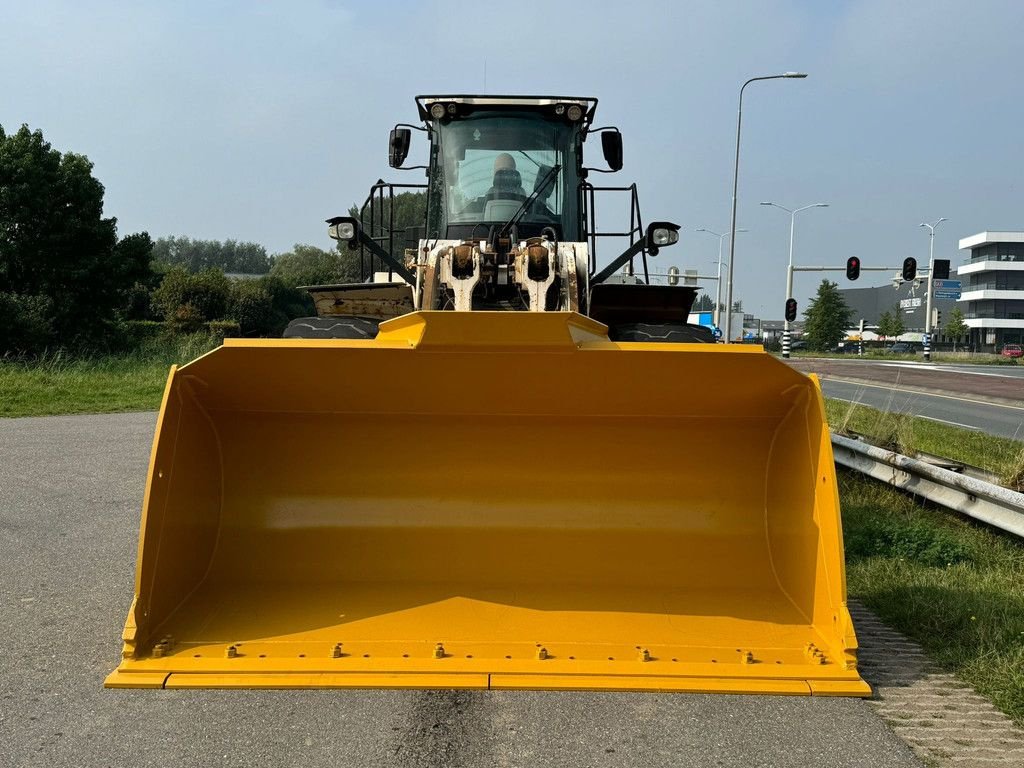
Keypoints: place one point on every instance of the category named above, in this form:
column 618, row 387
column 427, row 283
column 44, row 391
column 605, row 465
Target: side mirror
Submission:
column 611, row 145
column 659, row 235
column 398, row 146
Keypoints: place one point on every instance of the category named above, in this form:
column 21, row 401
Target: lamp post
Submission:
column 735, row 187
column 928, row 300
column 789, row 271
column 718, row 283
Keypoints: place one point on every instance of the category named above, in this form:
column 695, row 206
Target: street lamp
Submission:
column 735, row 187
column 789, row 271
column 718, row 283
column 928, row 301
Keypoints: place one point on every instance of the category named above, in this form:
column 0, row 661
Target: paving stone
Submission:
column 941, row 717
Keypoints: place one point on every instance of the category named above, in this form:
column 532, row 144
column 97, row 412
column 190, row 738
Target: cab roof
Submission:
column 473, row 102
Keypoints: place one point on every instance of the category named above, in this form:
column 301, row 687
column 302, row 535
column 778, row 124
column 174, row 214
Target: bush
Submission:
column 250, row 305
column 186, row 319
column 223, row 329
column 206, row 293
column 25, row 322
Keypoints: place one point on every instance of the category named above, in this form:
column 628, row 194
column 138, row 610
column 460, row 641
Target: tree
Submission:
column 704, row 303
column 58, row 254
column 955, row 326
column 890, row 324
column 827, row 317
column 309, row 265
column 197, row 255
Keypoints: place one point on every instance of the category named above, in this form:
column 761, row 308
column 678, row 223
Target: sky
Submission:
column 258, row 120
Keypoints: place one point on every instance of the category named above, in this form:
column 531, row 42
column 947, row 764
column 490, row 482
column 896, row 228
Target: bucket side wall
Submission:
column 182, row 515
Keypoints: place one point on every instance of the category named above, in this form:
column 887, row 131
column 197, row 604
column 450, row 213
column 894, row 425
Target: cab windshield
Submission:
column 488, row 166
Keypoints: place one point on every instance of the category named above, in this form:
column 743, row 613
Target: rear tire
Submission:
column 339, row 327
column 662, row 333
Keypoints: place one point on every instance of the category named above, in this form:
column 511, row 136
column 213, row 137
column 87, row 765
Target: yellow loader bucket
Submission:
column 491, row 500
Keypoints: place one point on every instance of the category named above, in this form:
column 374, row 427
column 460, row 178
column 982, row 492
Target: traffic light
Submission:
column 909, row 268
column 938, row 315
column 940, row 270
column 790, row 310
column 852, row 268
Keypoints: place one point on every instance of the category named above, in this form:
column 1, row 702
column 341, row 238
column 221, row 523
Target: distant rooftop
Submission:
column 988, row 238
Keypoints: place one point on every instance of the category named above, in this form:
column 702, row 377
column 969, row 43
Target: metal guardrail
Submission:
column 992, row 504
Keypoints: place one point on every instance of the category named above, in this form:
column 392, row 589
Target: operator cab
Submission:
column 496, row 160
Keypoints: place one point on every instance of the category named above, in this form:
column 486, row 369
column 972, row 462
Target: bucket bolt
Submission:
column 231, row 652
column 644, row 655
column 746, row 657
column 162, row 648
column 439, row 651
column 542, row 653
column 814, row 654
column 336, row 651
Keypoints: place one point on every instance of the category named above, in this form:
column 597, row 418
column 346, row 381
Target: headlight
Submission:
column 664, row 237
column 575, row 112
column 344, row 230
column 437, row 110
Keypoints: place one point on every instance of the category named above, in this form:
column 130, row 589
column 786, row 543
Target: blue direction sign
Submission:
column 946, row 289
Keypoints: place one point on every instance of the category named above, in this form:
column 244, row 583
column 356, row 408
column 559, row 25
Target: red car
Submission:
column 1012, row 350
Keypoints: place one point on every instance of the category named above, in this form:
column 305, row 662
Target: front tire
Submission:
column 662, row 333
column 339, row 327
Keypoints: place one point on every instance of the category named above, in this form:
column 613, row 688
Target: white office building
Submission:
column 992, row 296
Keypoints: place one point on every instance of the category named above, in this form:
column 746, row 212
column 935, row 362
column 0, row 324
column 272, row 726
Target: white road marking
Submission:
column 959, row 399
column 954, row 423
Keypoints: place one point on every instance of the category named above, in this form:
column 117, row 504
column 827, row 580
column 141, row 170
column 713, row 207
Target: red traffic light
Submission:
column 852, row 268
column 909, row 268
column 790, row 310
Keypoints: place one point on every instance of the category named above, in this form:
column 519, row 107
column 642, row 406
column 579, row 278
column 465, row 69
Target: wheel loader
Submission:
column 499, row 462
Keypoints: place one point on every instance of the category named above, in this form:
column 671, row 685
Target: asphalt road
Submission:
column 70, row 492
column 986, row 398
column 956, row 410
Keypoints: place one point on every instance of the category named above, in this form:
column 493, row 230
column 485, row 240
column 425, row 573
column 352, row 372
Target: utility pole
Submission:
column 735, row 189
column 789, row 271
column 718, row 288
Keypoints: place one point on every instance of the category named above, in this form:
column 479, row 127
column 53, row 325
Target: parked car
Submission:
column 1012, row 350
column 902, row 348
column 849, row 348
column 796, row 346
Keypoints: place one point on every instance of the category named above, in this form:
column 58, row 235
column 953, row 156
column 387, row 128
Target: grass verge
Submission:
column 961, row 358
column 954, row 587
column 905, row 433
column 60, row 383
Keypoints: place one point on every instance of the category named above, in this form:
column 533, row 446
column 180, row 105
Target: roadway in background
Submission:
column 70, row 495
column 992, row 418
column 986, row 398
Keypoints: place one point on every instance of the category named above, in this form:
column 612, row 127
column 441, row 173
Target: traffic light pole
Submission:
column 928, row 302
column 789, row 293
column 786, row 346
